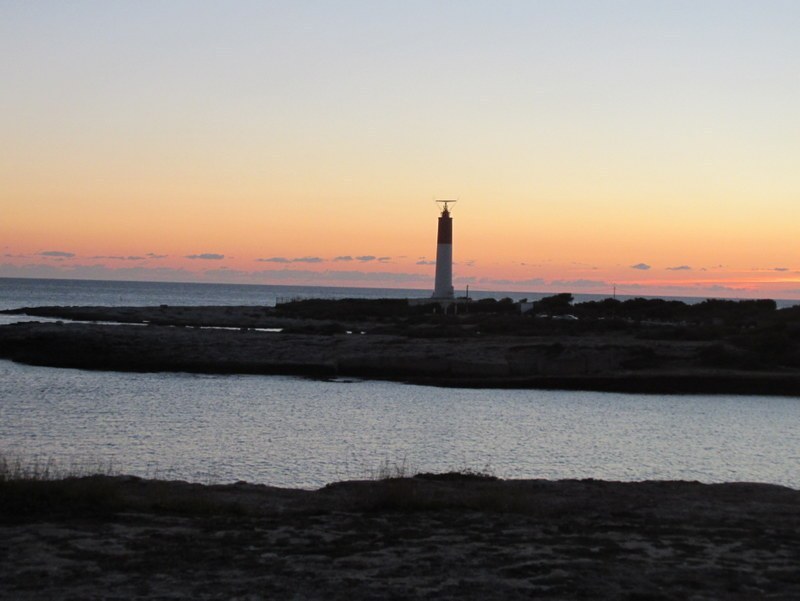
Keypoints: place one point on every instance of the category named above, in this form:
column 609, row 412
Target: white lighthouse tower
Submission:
column 443, row 287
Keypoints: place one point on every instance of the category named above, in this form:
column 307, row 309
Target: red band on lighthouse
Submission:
column 445, row 228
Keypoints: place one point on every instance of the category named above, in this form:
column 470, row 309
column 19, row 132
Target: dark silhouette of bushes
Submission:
column 347, row 308
column 558, row 304
column 770, row 346
column 755, row 326
column 727, row 357
column 490, row 305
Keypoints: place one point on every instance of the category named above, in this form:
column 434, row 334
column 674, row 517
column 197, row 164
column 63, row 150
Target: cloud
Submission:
column 362, row 258
column 424, row 262
column 642, row 266
column 504, row 282
column 679, row 268
column 580, row 283
column 386, row 276
column 57, row 253
column 780, row 269
column 119, row 258
column 97, row 272
column 368, row 258
column 295, row 260
column 155, row 256
column 207, row 256
column 336, row 277
column 226, row 274
column 721, row 288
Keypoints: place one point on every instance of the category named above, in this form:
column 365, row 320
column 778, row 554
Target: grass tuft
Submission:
column 42, row 487
column 48, row 469
column 391, row 470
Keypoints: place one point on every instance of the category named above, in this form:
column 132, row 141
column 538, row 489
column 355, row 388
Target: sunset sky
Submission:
column 654, row 145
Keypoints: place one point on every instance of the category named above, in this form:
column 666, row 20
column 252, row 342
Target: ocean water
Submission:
column 297, row 432
column 22, row 292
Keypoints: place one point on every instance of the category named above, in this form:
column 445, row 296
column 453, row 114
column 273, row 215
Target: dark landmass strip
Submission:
column 746, row 347
column 445, row 536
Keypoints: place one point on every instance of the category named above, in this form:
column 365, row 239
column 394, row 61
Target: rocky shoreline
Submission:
column 445, row 536
column 254, row 340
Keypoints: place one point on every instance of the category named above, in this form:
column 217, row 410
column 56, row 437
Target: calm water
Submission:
column 22, row 292
column 294, row 432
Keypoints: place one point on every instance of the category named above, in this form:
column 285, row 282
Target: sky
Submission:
column 652, row 146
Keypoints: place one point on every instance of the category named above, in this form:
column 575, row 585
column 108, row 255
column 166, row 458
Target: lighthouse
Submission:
column 443, row 287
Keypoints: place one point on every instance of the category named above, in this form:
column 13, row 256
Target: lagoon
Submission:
column 295, row 432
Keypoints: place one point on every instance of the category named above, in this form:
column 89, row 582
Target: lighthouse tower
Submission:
column 443, row 287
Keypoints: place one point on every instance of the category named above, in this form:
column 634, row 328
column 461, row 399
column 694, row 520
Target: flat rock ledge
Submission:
column 446, row 536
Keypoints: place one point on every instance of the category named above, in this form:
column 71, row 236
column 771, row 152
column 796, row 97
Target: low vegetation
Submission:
column 36, row 490
column 45, row 488
column 749, row 334
column 722, row 346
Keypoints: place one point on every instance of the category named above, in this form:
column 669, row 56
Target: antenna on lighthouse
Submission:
column 445, row 203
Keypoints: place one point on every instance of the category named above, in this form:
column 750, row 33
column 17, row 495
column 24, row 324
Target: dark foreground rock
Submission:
column 429, row 537
column 609, row 362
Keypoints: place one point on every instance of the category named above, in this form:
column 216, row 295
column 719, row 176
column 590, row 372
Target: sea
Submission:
column 299, row 432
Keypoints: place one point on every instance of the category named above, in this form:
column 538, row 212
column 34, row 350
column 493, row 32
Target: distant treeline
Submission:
column 345, row 308
column 711, row 311
column 727, row 312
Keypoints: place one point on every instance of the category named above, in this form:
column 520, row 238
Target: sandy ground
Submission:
column 415, row 539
